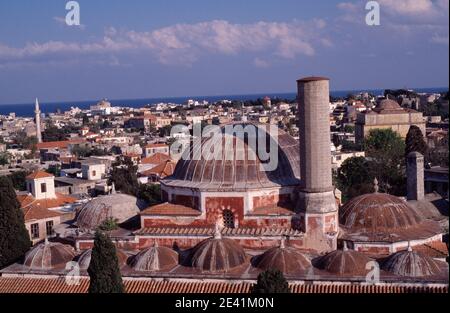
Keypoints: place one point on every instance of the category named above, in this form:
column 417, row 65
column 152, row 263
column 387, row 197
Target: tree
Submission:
column 415, row 141
column 354, row 177
column 124, row 176
column 150, row 193
column 386, row 149
column 53, row 133
column 271, row 281
column 104, row 269
column 14, row 237
column 18, row 180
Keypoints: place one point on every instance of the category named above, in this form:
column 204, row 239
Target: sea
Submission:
column 27, row 109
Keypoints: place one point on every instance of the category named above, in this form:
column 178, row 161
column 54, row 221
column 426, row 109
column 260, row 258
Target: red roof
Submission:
column 171, row 209
column 156, row 145
column 156, row 158
column 36, row 209
column 162, row 170
column 59, row 285
column 39, row 174
column 58, row 144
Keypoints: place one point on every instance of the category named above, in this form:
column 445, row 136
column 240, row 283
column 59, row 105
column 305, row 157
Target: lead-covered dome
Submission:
column 389, row 105
column 237, row 164
column 412, row 264
column 344, row 262
column 155, row 259
column 217, row 255
column 85, row 258
column 379, row 216
column 285, row 259
column 49, row 255
column 120, row 207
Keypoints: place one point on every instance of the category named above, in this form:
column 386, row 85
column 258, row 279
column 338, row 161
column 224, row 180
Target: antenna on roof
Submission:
column 218, row 230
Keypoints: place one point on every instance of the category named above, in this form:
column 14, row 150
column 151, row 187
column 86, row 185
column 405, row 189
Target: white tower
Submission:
column 37, row 113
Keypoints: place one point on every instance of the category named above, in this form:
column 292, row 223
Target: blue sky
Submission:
column 159, row 48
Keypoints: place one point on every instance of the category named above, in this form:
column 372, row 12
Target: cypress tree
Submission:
column 14, row 237
column 271, row 281
column 415, row 141
column 104, row 269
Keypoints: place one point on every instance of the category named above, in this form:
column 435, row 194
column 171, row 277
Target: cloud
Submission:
column 260, row 63
column 186, row 43
column 62, row 21
column 440, row 39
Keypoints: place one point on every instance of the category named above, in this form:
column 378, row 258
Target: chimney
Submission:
column 415, row 176
column 316, row 207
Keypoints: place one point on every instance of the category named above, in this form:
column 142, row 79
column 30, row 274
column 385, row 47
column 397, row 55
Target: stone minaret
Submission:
column 317, row 205
column 415, row 176
column 37, row 113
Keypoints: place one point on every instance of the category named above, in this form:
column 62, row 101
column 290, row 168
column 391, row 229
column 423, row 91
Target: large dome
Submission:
column 388, row 104
column 121, row 207
column 155, row 259
column 49, row 255
column 412, row 264
column 285, row 259
column 217, row 255
column 383, row 217
column 238, row 165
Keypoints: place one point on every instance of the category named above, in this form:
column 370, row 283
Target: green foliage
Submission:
column 415, row 141
column 18, row 180
column 385, row 150
column 4, row 158
column 14, row 237
column 55, row 170
column 349, row 129
column 354, row 177
column 109, row 224
column 53, row 133
column 83, row 151
column 271, row 281
column 124, row 176
column 104, row 269
column 150, row 193
column 26, row 142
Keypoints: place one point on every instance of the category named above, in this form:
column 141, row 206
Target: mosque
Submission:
column 227, row 220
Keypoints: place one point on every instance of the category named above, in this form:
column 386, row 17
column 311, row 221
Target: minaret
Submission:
column 316, row 204
column 37, row 113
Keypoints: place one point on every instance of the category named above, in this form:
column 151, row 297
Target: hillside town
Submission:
column 360, row 180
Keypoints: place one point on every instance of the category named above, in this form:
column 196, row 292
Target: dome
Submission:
column 285, row 259
column 344, row 262
column 412, row 264
column 121, row 207
column 85, row 258
column 388, row 104
column 238, row 165
column 49, row 255
column 217, row 255
column 155, row 259
column 383, row 217
column 377, row 212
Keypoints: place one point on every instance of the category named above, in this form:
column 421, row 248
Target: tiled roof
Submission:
column 34, row 209
column 58, row 144
column 156, row 158
column 156, row 145
column 39, row 174
column 171, row 209
column 59, row 285
column 164, row 169
column 433, row 249
column 209, row 231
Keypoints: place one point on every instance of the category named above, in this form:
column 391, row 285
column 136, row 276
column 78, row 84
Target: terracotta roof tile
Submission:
column 38, row 209
column 59, row 285
column 164, row 169
column 171, row 209
column 156, row 158
column 39, row 174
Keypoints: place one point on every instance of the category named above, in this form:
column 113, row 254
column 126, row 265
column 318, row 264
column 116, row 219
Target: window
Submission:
column 228, row 219
column 49, row 228
column 94, row 173
column 34, row 231
column 30, row 188
column 43, row 187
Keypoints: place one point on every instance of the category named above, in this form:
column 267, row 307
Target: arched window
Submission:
column 228, row 219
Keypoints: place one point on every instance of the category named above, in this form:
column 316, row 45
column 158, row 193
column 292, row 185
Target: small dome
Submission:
column 85, row 258
column 217, row 255
column 412, row 264
column 344, row 262
column 285, row 259
column 388, row 104
column 155, row 259
column 118, row 206
column 377, row 212
column 49, row 255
